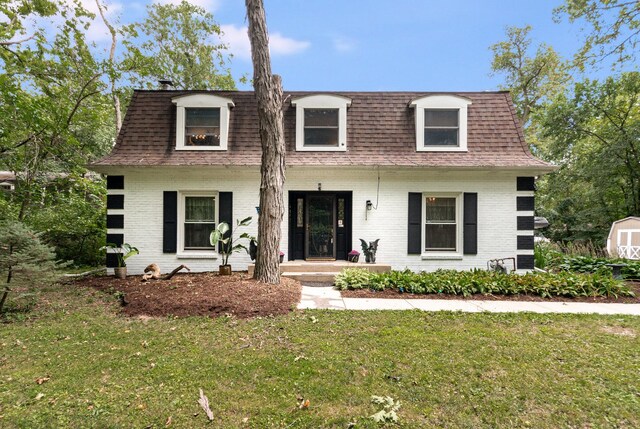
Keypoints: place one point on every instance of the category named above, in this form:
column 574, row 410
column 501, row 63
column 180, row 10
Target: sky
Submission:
column 375, row 45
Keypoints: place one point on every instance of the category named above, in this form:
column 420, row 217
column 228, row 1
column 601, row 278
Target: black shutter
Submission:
column 525, row 223
column 115, row 202
column 170, row 222
column 526, row 242
column 414, row 230
column 115, row 182
column 117, row 239
column 226, row 210
column 115, row 221
column 526, row 183
column 470, row 224
column 525, row 262
column 525, row 203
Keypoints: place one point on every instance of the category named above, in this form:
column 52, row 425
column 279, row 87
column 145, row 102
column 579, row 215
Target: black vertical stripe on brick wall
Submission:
column 116, row 239
column 115, row 221
column 525, row 223
column 526, row 184
column 414, row 224
column 115, row 202
column 525, row 262
column 525, row 203
column 112, row 260
column 115, row 182
column 225, row 205
column 525, row 242
column 169, row 221
column 470, row 224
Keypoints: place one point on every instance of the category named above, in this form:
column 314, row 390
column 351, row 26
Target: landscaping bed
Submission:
column 199, row 294
column 395, row 294
column 482, row 284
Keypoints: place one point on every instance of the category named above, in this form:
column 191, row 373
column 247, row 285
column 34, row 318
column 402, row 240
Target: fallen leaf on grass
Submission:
column 39, row 396
column 41, row 380
column 204, row 403
column 297, row 358
column 168, row 422
column 302, row 403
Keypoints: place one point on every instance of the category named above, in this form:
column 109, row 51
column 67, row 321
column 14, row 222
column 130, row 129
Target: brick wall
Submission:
column 497, row 214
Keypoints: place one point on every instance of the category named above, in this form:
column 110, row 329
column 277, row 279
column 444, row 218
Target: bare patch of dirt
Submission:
column 200, row 294
column 619, row 330
column 390, row 293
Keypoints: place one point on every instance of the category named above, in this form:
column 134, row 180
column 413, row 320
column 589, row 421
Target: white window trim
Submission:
column 194, row 254
column 322, row 101
column 202, row 100
column 451, row 254
column 447, row 102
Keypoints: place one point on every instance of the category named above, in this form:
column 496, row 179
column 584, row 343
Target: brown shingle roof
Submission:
column 380, row 132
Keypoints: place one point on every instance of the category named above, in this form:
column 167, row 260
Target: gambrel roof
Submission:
column 380, row 132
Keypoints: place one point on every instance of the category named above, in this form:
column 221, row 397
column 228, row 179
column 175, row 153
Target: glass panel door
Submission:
column 321, row 240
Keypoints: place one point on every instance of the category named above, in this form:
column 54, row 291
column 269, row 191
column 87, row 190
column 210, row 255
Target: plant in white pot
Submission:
column 228, row 244
column 122, row 252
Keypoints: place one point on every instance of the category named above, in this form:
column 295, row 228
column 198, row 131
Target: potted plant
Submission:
column 353, row 256
column 281, row 256
column 122, row 252
column 228, row 244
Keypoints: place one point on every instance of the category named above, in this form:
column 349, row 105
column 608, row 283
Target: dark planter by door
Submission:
column 224, row 270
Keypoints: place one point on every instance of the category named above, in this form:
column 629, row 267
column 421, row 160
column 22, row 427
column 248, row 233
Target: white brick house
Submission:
column 443, row 180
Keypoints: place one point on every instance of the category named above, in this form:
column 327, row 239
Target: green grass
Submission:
column 447, row 369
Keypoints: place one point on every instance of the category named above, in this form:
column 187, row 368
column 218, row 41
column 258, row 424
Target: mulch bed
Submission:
column 389, row 293
column 200, row 294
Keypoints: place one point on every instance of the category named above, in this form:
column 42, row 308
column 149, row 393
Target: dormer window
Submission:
column 441, row 123
column 321, row 122
column 202, row 122
column 202, row 126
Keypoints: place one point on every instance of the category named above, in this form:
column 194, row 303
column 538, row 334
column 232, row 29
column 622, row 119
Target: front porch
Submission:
column 321, row 271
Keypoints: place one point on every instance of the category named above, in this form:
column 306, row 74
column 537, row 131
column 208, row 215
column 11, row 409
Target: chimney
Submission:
column 165, row 84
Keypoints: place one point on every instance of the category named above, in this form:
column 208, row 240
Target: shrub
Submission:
column 353, row 278
column 477, row 281
column 587, row 264
column 24, row 260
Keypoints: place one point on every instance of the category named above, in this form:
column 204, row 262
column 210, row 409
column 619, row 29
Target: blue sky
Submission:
column 373, row 45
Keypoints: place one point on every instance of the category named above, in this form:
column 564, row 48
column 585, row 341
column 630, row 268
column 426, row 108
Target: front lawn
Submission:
column 100, row 369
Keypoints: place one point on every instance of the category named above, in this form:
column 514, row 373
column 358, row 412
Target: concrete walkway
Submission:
column 330, row 298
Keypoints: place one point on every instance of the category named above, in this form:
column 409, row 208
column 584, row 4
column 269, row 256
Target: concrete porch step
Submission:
column 332, row 267
column 325, row 276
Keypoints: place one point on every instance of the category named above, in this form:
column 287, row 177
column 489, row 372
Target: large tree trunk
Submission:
column 112, row 53
column 268, row 91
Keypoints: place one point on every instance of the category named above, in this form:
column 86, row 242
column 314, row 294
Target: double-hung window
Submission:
column 441, row 127
column 321, row 128
column 441, row 123
column 198, row 217
column 202, row 122
column 442, row 226
column 202, row 126
column 321, row 122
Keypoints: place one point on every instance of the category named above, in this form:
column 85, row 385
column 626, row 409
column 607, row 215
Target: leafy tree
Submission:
column 12, row 19
column 179, row 43
column 594, row 135
column 613, row 29
column 532, row 76
column 53, row 120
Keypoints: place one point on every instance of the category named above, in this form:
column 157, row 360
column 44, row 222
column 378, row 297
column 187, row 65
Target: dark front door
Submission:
column 319, row 225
